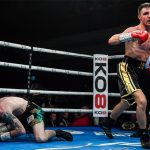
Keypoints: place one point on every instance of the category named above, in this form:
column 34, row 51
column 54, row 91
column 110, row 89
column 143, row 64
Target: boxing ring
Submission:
column 91, row 138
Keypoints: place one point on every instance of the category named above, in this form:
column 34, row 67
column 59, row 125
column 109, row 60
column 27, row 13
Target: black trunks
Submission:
column 32, row 115
column 130, row 72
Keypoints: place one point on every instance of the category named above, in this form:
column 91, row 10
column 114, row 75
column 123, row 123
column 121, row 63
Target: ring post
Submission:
column 100, row 85
column 29, row 73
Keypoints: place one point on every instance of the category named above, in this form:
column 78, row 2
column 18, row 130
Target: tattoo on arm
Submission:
column 10, row 119
column 16, row 127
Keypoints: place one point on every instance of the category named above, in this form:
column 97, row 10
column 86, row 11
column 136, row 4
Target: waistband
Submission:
column 136, row 63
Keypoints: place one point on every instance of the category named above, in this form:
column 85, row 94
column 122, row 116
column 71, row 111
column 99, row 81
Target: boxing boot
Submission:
column 106, row 125
column 145, row 141
column 65, row 135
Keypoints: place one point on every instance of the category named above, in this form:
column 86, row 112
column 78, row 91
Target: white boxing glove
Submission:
column 147, row 64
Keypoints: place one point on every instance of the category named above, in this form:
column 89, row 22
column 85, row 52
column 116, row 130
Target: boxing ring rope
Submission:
column 38, row 68
column 25, row 47
column 36, row 49
column 24, row 91
column 77, row 110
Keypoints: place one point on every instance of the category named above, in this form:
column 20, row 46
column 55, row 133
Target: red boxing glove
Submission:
column 142, row 36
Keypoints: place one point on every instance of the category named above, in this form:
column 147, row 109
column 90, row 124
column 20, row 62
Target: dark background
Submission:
column 80, row 26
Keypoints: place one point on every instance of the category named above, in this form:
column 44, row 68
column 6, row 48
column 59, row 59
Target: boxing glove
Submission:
column 141, row 36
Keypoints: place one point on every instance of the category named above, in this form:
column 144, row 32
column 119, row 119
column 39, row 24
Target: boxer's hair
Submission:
column 143, row 5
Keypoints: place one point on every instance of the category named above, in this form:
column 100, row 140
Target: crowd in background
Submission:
column 54, row 119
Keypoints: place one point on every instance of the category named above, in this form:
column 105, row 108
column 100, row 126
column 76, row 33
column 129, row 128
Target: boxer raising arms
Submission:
column 131, row 71
column 13, row 107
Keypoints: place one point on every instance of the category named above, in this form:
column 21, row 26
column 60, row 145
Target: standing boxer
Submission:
column 13, row 107
column 131, row 71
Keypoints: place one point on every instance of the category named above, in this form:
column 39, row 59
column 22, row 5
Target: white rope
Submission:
column 38, row 68
column 116, row 56
column 112, row 74
column 61, row 52
column 24, row 91
column 129, row 112
column 114, row 94
column 14, row 45
column 24, row 47
column 44, row 50
column 78, row 110
column 66, row 110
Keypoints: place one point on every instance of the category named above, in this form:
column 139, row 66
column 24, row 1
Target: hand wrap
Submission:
column 141, row 36
column 5, row 136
